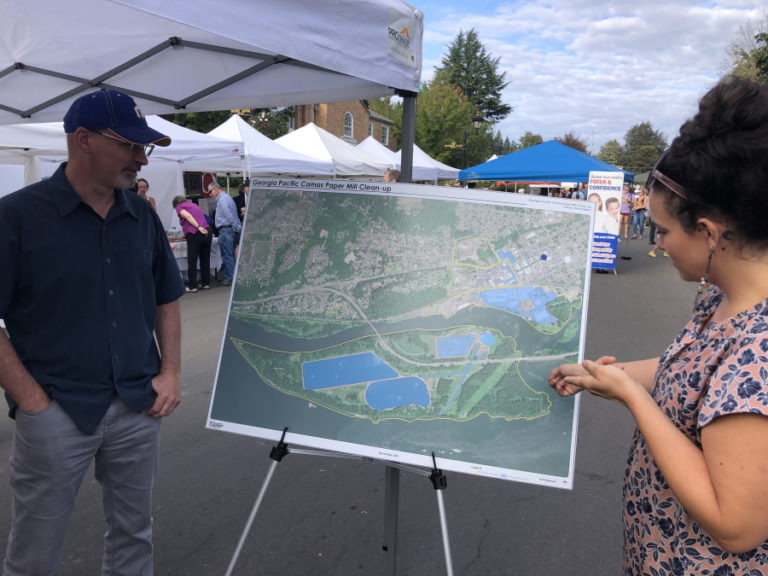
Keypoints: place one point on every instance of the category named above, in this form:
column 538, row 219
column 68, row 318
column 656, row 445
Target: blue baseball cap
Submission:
column 115, row 112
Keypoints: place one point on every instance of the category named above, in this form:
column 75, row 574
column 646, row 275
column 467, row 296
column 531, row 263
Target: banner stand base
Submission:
column 436, row 476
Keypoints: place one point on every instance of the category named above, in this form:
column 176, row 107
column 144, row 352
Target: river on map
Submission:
column 539, row 446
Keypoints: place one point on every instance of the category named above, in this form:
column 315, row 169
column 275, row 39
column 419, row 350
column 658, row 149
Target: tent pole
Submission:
column 408, row 136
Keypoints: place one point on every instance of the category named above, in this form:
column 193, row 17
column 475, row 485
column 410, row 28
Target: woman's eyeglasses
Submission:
column 656, row 174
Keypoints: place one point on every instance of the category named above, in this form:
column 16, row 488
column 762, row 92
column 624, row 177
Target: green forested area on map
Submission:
column 391, row 275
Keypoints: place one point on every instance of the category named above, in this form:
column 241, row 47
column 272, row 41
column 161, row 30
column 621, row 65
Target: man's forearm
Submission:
column 168, row 331
column 17, row 381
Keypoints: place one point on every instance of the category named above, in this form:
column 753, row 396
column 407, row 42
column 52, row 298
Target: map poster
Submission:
column 393, row 321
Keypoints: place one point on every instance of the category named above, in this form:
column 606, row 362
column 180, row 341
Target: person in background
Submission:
column 228, row 225
column 653, row 254
column 392, row 176
column 625, row 210
column 695, row 491
column 639, row 205
column 199, row 239
column 142, row 189
column 89, row 295
column 241, row 200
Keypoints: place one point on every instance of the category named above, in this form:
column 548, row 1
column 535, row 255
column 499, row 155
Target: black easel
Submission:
column 436, row 476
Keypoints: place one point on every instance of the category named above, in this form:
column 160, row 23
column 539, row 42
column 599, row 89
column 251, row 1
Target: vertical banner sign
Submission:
column 393, row 321
column 604, row 190
column 604, row 248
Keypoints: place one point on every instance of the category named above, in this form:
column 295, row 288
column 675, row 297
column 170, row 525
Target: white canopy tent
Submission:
column 313, row 141
column 177, row 56
column 197, row 151
column 373, row 146
column 40, row 148
column 265, row 156
column 427, row 168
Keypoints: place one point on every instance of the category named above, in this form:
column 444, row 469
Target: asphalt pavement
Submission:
column 325, row 516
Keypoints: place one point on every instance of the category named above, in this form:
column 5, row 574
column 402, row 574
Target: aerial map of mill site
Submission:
column 395, row 322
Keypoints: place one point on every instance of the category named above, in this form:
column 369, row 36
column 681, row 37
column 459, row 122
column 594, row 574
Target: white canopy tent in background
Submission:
column 40, row 148
column 373, row 146
column 177, row 56
column 265, row 156
column 427, row 168
column 313, row 141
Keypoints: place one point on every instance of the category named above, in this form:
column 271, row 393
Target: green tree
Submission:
column 572, row 141
column 200, row 121
column 502, row 146
column 761, row 56
column 443, row 115
column 469, row 67
column 530, row 139
column 391, row 108
column 612, row 152
column 645, row 158
column 637, row 138
column 747, row 47
column 272, row 122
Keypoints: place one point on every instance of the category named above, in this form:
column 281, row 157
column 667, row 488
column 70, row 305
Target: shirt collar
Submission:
column 67, row 199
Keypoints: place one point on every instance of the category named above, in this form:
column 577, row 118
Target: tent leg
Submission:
column 409, row 135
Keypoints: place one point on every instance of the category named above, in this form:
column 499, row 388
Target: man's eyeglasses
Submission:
column 135, row 148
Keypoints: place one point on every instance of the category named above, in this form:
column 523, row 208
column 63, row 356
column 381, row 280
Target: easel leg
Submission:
column 251, row 518
column 391, row 501
column 276, row 454
column 444, row 528
column 440, row 483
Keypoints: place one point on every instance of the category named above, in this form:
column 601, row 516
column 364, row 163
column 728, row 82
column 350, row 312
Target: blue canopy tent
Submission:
column 547, row 161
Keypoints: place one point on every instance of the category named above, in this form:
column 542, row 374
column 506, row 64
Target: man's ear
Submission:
column 81, row 139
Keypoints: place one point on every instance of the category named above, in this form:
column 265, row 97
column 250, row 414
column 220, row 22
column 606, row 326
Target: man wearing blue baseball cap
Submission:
column 89, row 280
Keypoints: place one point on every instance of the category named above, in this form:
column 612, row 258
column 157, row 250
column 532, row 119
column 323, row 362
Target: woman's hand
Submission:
column 608, row 381
column 562, row 377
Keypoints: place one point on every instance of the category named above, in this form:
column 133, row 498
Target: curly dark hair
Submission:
column 720, row 158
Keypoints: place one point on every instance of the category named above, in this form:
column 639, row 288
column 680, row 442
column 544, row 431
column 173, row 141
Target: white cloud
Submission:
column 595, row 69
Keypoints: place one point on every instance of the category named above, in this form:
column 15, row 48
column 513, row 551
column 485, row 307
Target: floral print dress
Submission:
column 709, row 371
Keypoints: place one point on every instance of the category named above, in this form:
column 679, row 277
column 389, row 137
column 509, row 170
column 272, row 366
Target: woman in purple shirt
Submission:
column 199, row 240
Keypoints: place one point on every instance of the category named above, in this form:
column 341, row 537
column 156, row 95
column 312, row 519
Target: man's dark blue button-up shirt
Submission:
column 79, row 293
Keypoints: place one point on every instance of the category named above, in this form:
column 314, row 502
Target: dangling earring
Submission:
column 704, row 282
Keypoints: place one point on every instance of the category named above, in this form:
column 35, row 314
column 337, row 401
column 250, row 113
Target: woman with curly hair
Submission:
column 696, row 487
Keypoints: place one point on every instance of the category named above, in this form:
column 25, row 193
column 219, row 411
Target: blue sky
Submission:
column 595, row 68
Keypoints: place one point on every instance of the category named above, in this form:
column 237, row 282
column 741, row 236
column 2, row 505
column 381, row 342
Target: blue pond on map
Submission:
column 512, row 299
column 385, row 391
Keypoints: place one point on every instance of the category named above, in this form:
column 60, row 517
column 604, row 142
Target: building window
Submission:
column 370, row 128
column 348, row 125
column 385, row 135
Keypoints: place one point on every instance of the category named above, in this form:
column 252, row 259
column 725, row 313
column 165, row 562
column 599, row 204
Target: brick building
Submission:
column 351, row 121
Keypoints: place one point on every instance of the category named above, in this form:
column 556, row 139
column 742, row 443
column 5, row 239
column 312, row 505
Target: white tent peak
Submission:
column 373, row 146
column 189, row 146
column 427, row 168
column 265, row 156
column 318, row 143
